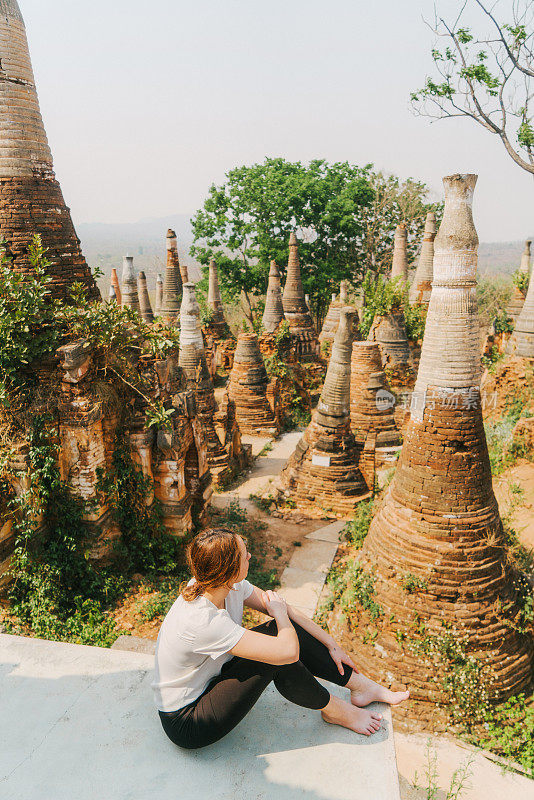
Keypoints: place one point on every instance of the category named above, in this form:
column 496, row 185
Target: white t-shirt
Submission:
column 194, row 643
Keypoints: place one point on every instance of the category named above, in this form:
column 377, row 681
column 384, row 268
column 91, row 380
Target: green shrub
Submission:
column 381, row 298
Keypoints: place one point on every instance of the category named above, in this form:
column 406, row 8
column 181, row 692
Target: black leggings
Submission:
column 231, row 695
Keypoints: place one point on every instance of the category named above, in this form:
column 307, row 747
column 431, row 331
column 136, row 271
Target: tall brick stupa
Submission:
column 31, row 200
column 171, row 298
column 217, row 324
column 523, row 336
column 436, row 547
column 296, row 311
column 323, row 475
column 274, row 309
column 517, row 299
column 399, row 266
column 422, row 282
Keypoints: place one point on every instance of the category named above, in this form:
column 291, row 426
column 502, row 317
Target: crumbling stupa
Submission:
column 422, row 282
column 372, row 410
column 31, row 201
column 523, row 336
column 192, row 359
column 390, row 334
column 517, row 299
column 159, row 294
column 112, row 296
column 130, row 297
column 296, row 311
column 145, row 307
column 399, row 266
column 172, row 283
column 323, row 476
column 116, row 285
column 248, row 387
column 274, row 309
column 217, row 323
column 331, row 321
column 436, row 547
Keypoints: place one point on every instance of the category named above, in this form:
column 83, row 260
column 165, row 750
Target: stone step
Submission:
column 79, row 722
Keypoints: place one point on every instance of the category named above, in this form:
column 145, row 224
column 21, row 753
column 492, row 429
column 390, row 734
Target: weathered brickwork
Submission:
column 323, row 474
column 523, row 337
column 390, row 334
column 296, row 311
column 31, row 201
column 171, row 292
column 372, row 410
column 247, row 388
column 274, row 309
column 422, row 283
column 439, row 522
column 399, row 265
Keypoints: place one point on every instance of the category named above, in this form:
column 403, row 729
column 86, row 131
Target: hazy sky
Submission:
column 147, row 104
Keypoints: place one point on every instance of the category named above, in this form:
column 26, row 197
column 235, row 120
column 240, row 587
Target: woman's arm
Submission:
column 257, row 601
column 280, row 649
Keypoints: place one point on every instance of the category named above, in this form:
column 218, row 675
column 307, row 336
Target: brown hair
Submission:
column 214, row 559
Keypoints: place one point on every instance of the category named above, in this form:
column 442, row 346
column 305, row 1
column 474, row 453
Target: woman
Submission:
column 210, row 670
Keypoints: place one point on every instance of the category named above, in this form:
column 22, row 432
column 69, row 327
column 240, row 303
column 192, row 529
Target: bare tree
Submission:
column 486, row 75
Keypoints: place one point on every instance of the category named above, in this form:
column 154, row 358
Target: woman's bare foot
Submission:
column 364, row 691
column 337, row 712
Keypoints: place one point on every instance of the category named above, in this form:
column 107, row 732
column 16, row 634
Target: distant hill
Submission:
column 105, row 244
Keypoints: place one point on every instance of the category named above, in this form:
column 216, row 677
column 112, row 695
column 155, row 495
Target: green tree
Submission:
column 246, row 222
column 485, row 76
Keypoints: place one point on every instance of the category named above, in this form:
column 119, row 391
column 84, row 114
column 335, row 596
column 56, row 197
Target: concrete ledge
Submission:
column 78, row 722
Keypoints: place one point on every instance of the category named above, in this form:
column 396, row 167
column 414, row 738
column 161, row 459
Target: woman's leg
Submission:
column 231, row 696
column 315, row 656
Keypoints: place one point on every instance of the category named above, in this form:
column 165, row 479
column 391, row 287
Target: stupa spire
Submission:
column 439, row 522
column 523, row 335
column 323, row 473
column 31, row 201
column 192, row 359
column 116, row 285
column 331, row 321
column 247, row 387
column 145, row 307
column 399, row 266
column 159, row 293
column 172, row 284
column 274, row 309
column 112, row 296
column 130, row 297
column 525, row 258
column 296, row 311
column 422, row 282
column 217, row 322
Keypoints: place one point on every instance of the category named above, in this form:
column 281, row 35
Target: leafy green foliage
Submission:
column 345, row 216
column 483, row 72
column 381, row 298
column 144, row 545
column 413, row 583
column 509, row 731
column 357, row 529
column 415, row 318
column 521, row 279
column 56, row 592
column 28, row 329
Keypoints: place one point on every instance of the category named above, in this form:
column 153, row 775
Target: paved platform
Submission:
column 78, row 722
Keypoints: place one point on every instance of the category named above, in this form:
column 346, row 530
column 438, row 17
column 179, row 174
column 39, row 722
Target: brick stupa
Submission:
column 116, row 285
column 523, row 336
column 145, row 307
column 390, row 334
column 159, row 294
column 399, row 266
column 323, row 476
column 31, row 201
column 217, row 324
column 439, row 524
column 274, row 309
column 192, row 359
column 248, row 388
column 372, row 410
column 422, row 282
column 130, row 297
column 517, row 299
column 331, row 321
column 172, row 284
column 296, row 311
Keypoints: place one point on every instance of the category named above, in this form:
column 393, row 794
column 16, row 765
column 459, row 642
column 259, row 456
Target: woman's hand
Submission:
column 340, row 657
column 275, row 605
